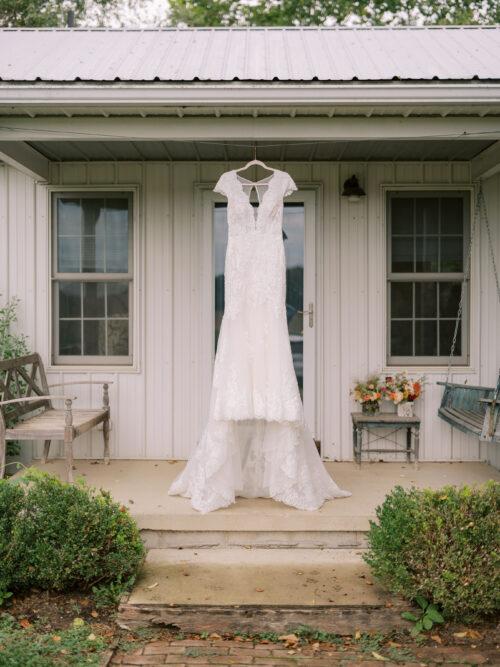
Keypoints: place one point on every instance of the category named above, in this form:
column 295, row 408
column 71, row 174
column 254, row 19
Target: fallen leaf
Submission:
column 290, row 640
column 393, row 644
column 24, row 623
column 437, row 639
column 92, row 637
column 474, row 634
column 291, row 652
column 185, row 574
column 214, row 635
column 377, row 656
column 315, row 646
column 56, row 638
column 131, row 501
column 94, row 614
column 78, row 622
column 357, row 635
column 259, row 590
column 150, row 588
column 460, row 635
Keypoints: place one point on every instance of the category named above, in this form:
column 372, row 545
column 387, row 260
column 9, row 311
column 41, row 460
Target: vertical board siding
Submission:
column 159, row 406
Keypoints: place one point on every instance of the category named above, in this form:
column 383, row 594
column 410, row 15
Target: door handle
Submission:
column 309, row 312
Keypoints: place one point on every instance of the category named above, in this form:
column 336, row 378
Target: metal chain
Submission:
column 490, row 243
column 477, row 216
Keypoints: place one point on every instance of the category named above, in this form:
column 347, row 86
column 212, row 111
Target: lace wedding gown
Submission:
column 256, row 443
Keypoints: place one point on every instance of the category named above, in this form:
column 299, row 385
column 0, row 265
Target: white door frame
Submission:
column 310, row 361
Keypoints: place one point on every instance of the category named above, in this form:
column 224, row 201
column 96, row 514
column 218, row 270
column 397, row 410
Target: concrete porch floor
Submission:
column 142, row 487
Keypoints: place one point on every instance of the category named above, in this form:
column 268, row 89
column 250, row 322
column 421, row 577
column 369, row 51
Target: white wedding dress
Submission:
column 256, row 443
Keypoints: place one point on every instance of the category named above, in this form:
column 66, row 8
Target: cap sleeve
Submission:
column 221, row 185
column 289, row 185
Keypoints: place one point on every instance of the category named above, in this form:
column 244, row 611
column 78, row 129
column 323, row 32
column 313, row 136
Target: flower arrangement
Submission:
column 368, row 394
column 400, row 388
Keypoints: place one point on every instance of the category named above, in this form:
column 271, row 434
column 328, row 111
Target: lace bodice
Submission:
column 242, row 217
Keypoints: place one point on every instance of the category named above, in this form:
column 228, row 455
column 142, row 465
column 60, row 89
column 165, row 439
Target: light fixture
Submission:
column 352, row 189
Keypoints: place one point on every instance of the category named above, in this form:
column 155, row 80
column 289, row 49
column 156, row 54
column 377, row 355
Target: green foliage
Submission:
column 442, row 546
column 327, row 12
column 58, row 536
column 47, row 13
column 34, row 647
column 428, row 616
column 12, row 345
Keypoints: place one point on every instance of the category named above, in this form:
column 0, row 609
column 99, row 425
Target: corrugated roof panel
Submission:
column 251, row 54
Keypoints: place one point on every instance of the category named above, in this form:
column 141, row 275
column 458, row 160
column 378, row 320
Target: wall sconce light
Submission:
column 352, row 189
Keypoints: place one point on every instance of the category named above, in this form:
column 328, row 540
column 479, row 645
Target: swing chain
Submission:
column 480, row 213
column 467, row 272
column 490, row 244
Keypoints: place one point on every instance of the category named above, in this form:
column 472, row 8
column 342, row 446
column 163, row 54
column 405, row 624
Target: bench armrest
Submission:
column 33, row 399
column 490, row 400
column 68, row 384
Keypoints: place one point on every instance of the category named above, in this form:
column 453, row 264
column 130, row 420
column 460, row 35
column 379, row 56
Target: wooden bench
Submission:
column 27, row 413
column 472, row 409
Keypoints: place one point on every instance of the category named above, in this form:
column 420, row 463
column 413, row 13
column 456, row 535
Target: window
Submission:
column 427, row 240
column 92, row 277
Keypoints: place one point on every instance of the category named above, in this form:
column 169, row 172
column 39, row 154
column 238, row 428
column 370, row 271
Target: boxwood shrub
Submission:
column 443, row 545
column 58, row 536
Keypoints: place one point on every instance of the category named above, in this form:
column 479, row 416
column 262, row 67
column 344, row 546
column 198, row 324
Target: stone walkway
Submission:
column 221, row 653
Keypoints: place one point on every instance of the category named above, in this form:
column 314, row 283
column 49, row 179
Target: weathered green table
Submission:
column 362, row 422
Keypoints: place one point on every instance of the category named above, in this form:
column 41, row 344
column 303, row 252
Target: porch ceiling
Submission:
column 368, row 150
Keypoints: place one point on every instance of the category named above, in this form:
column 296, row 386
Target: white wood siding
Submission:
column 159, row 407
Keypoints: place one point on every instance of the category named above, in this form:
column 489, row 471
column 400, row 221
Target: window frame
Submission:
column 99, row 361
column 441, row 360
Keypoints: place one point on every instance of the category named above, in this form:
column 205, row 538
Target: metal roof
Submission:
column 451, row 53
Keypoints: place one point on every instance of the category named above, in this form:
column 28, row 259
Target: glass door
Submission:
column 298, row 238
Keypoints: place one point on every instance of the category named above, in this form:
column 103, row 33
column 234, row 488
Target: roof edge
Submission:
column 239, row 94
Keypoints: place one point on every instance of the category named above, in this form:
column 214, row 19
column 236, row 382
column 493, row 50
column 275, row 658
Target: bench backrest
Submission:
column 466, row 398
column 21, row 378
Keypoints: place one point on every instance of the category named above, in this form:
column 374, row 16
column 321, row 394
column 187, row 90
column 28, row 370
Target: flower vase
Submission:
column 405, row 409
column 370, row 407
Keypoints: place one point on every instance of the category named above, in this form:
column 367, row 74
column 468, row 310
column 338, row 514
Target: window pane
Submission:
column 402, row 215
column 117, row 235
column 70, row 300
column 426, row 215
column 452, row 254
column 452, row 215
column 425, row 299
column 116, row 253
column 401, row 338
column 401, row 299
column 69, row 217
column 94, row 337
column 118, row 337
column 93, row 300
column 427, row 254
column 70, row 337
column 68, row 251
column 402, row 255
column 446, row 332
column 449, row 299
column 92, row 254
column 93, row 217
column 117, row 299
column 425, row 338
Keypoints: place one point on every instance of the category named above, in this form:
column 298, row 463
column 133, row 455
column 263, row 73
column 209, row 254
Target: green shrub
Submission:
column 11, row 502
column 65, row 537
column 441, row 545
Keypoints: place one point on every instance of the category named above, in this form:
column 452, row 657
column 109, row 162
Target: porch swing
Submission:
column 473, row 409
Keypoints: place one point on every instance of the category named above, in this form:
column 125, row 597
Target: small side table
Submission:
column 362, row 422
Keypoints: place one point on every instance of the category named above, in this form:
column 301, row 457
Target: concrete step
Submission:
column 228, row 589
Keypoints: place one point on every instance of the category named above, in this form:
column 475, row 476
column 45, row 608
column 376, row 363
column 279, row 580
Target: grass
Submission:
column 29, row 645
